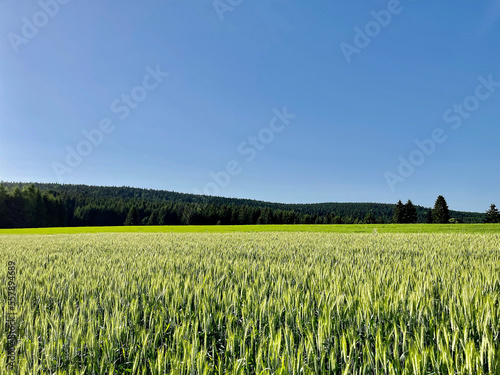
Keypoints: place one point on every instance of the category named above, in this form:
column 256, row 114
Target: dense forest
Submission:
column 44, row 205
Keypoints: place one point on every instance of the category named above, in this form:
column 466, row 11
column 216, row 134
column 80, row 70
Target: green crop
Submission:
column 327, row 228
column 254, row 303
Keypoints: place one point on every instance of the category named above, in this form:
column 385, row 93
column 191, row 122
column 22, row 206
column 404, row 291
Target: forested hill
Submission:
column 39, row 205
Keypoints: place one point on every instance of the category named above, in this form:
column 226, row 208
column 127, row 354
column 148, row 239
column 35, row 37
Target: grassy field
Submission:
column 287, row 302
column 347, row 228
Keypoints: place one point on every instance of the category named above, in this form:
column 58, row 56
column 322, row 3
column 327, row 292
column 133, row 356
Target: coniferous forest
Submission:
column 24, row 205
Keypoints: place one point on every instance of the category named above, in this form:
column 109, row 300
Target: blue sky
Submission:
column 183, row 95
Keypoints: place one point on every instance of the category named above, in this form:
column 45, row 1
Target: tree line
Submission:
column 45, row 205
column 407, row 213
column 440, row 214
column 30, row 208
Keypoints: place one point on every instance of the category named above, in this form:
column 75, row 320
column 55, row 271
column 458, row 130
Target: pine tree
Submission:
column 398, row 213
column 492, row 215
column 410, row 213
column 440, row 213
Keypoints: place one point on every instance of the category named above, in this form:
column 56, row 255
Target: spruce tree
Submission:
column 153, row 218
column 440, row 213
column 398, row 213
column 132, row 217
column 410, row 213
column 492, row 215
column 4, row 219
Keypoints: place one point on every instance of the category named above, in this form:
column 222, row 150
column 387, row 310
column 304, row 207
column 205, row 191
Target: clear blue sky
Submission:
column 360, row 101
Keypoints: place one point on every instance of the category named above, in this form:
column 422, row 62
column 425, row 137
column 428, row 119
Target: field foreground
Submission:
column 254, row 303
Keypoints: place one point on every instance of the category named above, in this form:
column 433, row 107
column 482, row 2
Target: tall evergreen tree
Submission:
column 410, row 213
column 16, row 209
column 132, row 217
column 4, row 218
column 398, row 213
column 440, row 213
column 492, row 215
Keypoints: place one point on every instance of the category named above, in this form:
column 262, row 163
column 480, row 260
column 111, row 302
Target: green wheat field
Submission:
column 254, row 300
